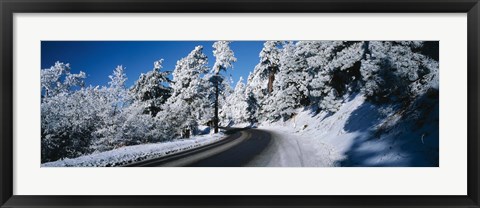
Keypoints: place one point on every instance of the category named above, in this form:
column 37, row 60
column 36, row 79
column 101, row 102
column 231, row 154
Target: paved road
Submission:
column 236, row 150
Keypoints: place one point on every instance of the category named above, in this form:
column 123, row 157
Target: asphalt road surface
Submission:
column 240, row 146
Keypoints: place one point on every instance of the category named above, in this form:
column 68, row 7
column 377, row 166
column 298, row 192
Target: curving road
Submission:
column 236, row 150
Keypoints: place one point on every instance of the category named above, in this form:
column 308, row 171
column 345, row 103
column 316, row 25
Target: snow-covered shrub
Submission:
column 67, row 122
column 67, row 117
column 331, row 102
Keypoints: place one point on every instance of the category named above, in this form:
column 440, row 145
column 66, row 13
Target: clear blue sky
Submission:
column 99, row 58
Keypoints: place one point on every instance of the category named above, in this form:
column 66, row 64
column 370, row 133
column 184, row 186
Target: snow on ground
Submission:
column 288, row 149
column 356, row 135
column 308, row 140
column 128, row 154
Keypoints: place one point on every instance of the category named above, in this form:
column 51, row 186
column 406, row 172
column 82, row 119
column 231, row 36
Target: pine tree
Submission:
column 394, row 71
column 260, row 82
column 235, row 107
column 113, row 99
column 188, row 92
column 252, row 107
column 269, row 62
column 118, row 95
column 333, row 68
column 152, row 89
column 224, row 59
column 290, row 86
column 256, row 89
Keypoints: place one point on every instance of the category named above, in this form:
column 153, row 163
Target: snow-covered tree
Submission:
column 224, row 59
column 224, row 56
column 68, row 121
column 306, row 73
column 152, row 89
column 114, row 98
column 260, row 82
column 235, row 108
column 252, row 107
column 139, row 128
column 320, row 88
column 188, row 92
column 394, row 71
column 118, row 94
column 123, row 120
column 333, row 69
column 290, row 86
column 256, row 89
column 59, row 79
column 269, row 62
column 67, row 118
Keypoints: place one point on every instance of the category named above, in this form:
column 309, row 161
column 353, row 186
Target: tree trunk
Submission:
column 271, row 78
column 365, row 49
column 186, row 133
column 215, row 120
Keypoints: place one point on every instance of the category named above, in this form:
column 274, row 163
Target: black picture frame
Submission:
column 9, row 7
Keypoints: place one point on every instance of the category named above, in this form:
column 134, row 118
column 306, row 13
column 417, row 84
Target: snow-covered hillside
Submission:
column 359, row 134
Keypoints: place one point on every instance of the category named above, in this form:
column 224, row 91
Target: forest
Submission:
column 398, row 78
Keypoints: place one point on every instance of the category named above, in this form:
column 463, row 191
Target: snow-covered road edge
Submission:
column 289, row 149
column 309, row 140
column 130, row 154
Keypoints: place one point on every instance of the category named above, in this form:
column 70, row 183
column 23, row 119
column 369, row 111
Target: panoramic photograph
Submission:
column 281, row 103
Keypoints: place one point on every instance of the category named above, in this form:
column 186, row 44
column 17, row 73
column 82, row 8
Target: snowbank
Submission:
column 359, row 134
column 125, row 155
